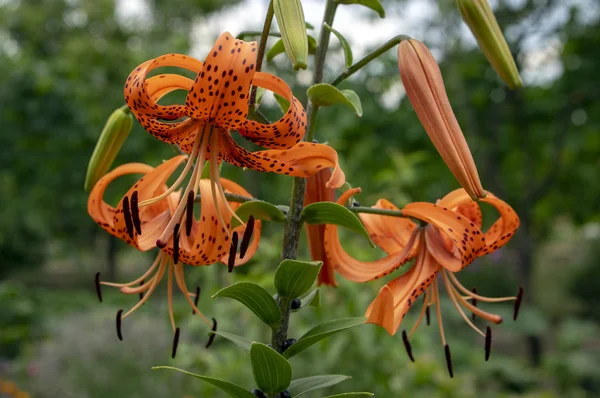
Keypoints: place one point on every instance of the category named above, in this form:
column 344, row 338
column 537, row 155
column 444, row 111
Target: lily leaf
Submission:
column 293, row 278
column 333, row 213
column 240, row 341
column 256, row 298
column 233, row 390
column 272, row 372
column 324, row 94
column 351, row 394
column 320, row 332
column 276, row 49
column 345, row 45
column 260, row 209
column 312, row 298
column 374, row 5
column 300, row 387
column 283, row 103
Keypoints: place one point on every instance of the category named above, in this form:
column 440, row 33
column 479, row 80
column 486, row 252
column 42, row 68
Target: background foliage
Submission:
column 62, row 66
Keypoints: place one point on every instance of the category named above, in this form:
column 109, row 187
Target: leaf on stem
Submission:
column 233, row 390
column 256, row 298
column 299, row 387
column 333, row 213
column 293, row 278
column 324, row 94
column 272, row 372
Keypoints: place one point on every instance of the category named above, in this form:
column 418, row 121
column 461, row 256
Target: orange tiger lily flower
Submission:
column 450, row 240
column 200, row 241
column 317, row 191
column 217, row 103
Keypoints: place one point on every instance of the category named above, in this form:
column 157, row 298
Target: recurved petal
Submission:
column 389, row 233
column 356, row 270
column 465, row 235
column 302, row 160
column 425, row 89
column 404, row 292
column 285, row 132
column 504, row 228
column 220, row 92
column 459, row 201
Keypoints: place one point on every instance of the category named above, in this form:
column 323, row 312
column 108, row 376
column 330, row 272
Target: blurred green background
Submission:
column 62, row 68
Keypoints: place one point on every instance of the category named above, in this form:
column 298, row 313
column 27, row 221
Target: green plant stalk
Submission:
column 293, row 225
column 261, row 49
column 368, row 58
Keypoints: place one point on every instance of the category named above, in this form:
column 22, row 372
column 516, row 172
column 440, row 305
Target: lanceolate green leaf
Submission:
column 272, row 372
column 233, row 390
column 324, row 94
column 240, row 341
column 300, row 387
column 374, row 5
column 345, row 45
column 276, row 49
column 333, row 213
column 320, row 332
column 256, row 298
column 261, row 210
column 293, row 278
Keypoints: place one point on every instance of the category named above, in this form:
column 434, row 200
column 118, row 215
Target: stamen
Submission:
column 421, row 313
column 196, row 299
column 438, row 310
column 176, row 244
column 119, row 335
column 179, row 279
column 472, row 295
column 212, row 336
column 127, row 214
column 153, row 284
column 453, row 293
column 232, row 252
column 141, row 293
column 518, row 303
column 497, row 319
column 474, row 302
column 189, row 213
column 247, row 236
column 427, row 316
column 448, row 360
column 135, row 213
column 141, row 278
column 98, row 286
column 488, row 342
column 170, row 295
column 175, row 343
column 407, row 345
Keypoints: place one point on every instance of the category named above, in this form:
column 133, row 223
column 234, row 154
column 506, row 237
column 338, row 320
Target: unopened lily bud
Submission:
column 478, row 15
column 290, row 18
column 425, row 89
column 113, row 136
column 316, row 191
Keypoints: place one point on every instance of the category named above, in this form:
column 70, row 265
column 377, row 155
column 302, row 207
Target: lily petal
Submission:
column 381, row 311
column 389, row 233
column 504, row 228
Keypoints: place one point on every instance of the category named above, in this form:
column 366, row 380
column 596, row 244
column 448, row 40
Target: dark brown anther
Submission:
column 428, row 316
column 488, row 342
column 474, row 302
column 176, row 244
column 518, row 303
column 212, row 336
column 247, row 236
column 141, row 293
column 232, row 252
column 407, row 345
column 127, row 215
column 161, row 244
column 175, row 343
column 119, row 314
column 98, row 286
column 135, row 213
column 448, row 360
column 189, row 213
column 196, row 299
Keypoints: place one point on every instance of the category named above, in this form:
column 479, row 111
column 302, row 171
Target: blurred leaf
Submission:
column 333, row 213
column 232, row 389
column 276, row 49
column 272, row 372
column 256, row 298
column 240, row 341
column 299, row 387
column 323, row 94
column 351, row 394
column 261, row 210
column 293, row 278
column 283, row 103
column 345, row 45
column 374, row 5
column 320, row 332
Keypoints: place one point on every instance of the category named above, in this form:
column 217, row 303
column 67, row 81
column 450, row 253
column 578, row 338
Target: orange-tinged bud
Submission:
column 316, row 191
column 425, row 89
column 478, row 15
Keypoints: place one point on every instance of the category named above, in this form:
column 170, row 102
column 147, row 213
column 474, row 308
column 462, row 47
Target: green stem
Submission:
column 293, row 225
column 261, row 49
column 382, row 212
column 245, row 33
column 368, row 58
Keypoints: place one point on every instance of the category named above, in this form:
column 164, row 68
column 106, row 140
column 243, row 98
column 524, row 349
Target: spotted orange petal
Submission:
column 302, row 160
column 356, row 270
column 504, row 228
column 220, row 92
column 285, row 132
column 462, row 203
column 389, row 233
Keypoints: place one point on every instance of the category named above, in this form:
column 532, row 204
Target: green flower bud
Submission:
column 478, row 15
column 113, row 136
column 290, row 19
